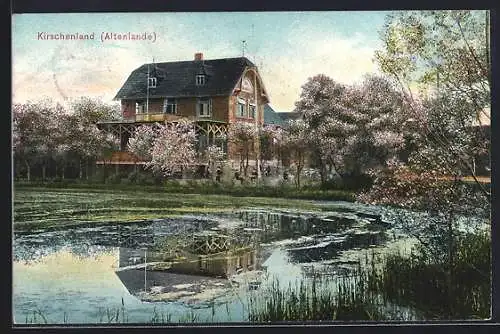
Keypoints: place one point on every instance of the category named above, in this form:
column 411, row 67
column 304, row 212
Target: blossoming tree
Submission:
column 242, row 138
column 169, row 148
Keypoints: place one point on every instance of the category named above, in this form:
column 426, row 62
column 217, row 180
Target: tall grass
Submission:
column 345, row 298
column 464, row 292
column 401, row 287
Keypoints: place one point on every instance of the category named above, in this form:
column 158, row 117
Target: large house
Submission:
column 214, row 93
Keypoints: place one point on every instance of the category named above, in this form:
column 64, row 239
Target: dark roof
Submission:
column 278, row 118
column 178, row 79
column 271, row 116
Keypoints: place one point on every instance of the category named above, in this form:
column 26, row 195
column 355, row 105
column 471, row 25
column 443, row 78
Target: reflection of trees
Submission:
column 276, row 225
column 310, row 253
column 29, row 253
column 83, row 251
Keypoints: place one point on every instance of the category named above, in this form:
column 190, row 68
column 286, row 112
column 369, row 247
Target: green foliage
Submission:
column 447, row 54
column 418, row 45
column 113, row 179
column 349, row 183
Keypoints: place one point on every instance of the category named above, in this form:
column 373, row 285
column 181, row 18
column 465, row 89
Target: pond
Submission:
column 202, row 268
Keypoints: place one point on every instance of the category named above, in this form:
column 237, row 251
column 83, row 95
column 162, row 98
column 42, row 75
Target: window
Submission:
column 251, row 111
column 204, row 107
column 151, row 82
column 170, row 106
column 139, row 107
column 240, row 111
column 200, row 80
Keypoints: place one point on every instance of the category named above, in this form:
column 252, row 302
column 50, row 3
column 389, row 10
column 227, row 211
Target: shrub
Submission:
column 113, row 179
column 145, row 179
column 172, row 184
column 132, row 177
column 351, row 182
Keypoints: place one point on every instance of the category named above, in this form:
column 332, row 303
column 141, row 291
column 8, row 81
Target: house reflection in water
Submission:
column 194, row 273
column 223, row 264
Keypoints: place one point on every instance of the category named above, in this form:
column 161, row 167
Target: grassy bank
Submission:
column 42, row 207
column 204, row 187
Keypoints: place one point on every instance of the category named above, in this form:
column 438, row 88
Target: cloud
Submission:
column 70, row 72
column 344, row 60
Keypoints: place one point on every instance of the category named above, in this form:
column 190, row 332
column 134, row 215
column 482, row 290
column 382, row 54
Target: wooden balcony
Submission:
column 161, row 117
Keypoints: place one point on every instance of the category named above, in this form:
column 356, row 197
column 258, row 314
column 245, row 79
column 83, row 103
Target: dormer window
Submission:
column 152, row 82
column 200, row 80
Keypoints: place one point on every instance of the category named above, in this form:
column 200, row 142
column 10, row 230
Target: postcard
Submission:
column 251, row 167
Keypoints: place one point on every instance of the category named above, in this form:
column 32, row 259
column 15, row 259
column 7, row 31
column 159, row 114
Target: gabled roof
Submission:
column 178, row 79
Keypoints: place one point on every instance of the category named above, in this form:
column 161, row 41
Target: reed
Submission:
column 436, row 290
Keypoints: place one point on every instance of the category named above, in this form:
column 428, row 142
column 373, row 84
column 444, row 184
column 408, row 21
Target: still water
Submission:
column 195, row 268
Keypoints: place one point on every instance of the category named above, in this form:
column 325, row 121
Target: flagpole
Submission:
column 256, row 117
column 145, row 269
column 147, row 94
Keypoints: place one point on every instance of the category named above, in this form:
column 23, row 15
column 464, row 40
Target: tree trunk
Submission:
column 300, row 166
column 87, row 170
column 299, row 169
column 246, row 163
column 80, row 169
column 44, row 168
column 63, row 170
column 212, row 171
column 28, row 170
column 450, row 270
column 322, row 175
column 16, row 169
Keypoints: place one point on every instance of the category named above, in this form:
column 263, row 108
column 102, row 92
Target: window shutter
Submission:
column 210, row 106
column 165, row 102
column 198, row 107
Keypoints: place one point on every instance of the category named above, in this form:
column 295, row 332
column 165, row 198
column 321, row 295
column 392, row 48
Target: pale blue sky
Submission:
column 288, row 47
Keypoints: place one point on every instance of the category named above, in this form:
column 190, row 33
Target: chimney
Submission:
column 198, row 56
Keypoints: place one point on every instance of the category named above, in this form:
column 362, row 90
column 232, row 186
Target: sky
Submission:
column 287, row 47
